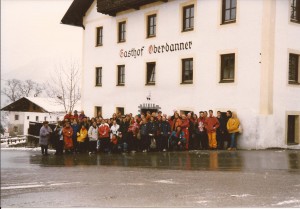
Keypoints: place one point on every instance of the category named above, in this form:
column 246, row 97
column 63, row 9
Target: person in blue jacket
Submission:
column 76, row 129
column 165, row 131
column 177, row 139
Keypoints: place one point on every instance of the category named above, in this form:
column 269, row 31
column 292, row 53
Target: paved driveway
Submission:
column 269, row 178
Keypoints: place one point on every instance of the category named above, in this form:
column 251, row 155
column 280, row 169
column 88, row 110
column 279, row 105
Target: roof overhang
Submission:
column 22, row 105
column 76, row 12
column 112, row 7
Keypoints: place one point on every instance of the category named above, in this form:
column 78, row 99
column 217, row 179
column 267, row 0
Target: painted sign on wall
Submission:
column 156, row 49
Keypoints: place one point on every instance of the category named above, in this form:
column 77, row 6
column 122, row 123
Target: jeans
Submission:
column 105, row 144
column 92, row 146
column 44, row 149
column 233, row 137
column 145, row 142
column 59, row 147
column 98, row 144
column 130, row 141
column 174, row 144
column 81, row 147
column 194, row 142
column 203, row 139
column 221, row 137
column 162, row 142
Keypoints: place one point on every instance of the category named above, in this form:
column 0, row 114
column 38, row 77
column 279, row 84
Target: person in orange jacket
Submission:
column 176, row 122
column 104, row 131
column 211, row 125
column 68, row 133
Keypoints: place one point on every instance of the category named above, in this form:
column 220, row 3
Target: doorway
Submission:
column 143, row 108
column 293, row 129
column 144, row 111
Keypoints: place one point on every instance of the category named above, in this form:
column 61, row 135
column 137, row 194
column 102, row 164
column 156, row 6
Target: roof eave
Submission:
column 76, row 12
column 111, row 8
column 7, row 108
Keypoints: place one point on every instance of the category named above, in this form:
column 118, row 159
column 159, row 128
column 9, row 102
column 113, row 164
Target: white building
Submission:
column 32, row 109
column 192, row 55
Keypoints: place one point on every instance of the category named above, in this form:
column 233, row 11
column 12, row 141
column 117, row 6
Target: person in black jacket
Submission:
column 165, row 131
column 221, row 131
column 144, row 135
column 124, row 125
column 59, row 148
column 152, row 132
column 194, row 139
column 192, row 142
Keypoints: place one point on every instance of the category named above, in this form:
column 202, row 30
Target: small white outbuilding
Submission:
column 31, row 109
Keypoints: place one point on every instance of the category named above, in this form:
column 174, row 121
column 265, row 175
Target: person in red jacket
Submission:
column 104, row 136
column 211, row 124
column 76, row 115
column 67, row 134
column 69, row 117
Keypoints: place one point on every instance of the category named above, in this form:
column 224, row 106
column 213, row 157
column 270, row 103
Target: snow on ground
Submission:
column 169, row 181
column 25, row 148
column 287, row 202
column 4, row 144
column 240, row 195
column 131, row 184
column 9, row 143
column 5, row 139
column 12, row 141
column 202, row 202
column 41, row 184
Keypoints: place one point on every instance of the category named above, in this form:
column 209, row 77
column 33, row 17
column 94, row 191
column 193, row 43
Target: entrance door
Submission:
column 291, row 129
column 143, row 108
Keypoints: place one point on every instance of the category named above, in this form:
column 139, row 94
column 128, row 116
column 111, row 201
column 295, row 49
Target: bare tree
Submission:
column 4, row 120
column 15, row 89
column 11, row 90
column 64, row 85
column 27, row 87
column 1, row 128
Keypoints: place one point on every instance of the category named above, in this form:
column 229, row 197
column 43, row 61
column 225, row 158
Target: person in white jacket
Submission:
column 93, row 137
column 45, row 133
column 114, row 129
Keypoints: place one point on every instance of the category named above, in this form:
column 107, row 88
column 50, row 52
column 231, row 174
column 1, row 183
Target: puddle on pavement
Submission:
column 192, row 160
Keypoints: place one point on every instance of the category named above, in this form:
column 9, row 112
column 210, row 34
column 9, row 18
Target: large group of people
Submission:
column 154, row 131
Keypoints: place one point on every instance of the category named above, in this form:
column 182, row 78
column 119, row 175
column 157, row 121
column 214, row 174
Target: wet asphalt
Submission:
column 263, row 178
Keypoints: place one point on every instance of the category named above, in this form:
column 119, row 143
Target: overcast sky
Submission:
column 32, row 39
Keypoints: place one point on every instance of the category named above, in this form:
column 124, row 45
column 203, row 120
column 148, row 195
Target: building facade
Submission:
column 193, row 55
